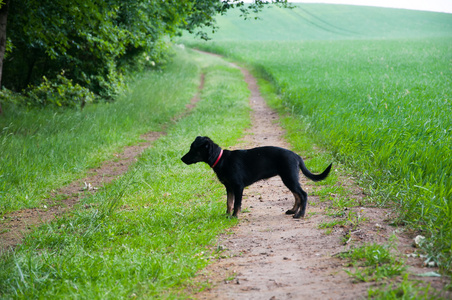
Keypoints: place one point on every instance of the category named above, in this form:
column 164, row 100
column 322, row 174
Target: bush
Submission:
column 59, row 93
column 8, row 96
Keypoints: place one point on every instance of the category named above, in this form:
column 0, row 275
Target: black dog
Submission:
column 240, row 168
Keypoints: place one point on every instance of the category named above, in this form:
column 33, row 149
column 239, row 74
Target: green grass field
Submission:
column 373, row 86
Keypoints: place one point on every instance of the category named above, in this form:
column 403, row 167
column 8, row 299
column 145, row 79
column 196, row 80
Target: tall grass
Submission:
column 381, row 105
column 147, row 233
column 44, row 149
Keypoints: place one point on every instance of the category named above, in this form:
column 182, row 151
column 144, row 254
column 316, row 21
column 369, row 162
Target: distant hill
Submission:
column 332, row 22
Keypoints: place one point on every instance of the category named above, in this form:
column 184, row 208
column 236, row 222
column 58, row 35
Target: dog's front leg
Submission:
column 230, row 200
column 238, row 192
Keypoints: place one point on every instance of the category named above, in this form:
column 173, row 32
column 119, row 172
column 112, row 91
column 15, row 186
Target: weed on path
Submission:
column 342, row 249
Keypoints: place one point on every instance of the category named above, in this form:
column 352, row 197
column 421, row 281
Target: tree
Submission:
column 3, row 19
column 204, row 11
column 93, row 42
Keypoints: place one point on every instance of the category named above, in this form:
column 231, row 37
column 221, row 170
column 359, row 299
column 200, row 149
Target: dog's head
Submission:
column 200, row 150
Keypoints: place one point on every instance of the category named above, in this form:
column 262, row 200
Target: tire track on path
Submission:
column 15, row 225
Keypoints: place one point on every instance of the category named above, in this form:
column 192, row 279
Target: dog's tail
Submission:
column 314, row 177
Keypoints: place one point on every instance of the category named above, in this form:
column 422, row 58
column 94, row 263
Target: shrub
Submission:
column 59, row 93
column 8, row 97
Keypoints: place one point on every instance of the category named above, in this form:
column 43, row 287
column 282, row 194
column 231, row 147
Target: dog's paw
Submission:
column 290, row 212
column 233, row 216
column 298, row 216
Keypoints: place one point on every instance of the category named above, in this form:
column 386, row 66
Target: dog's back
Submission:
column 261, row 163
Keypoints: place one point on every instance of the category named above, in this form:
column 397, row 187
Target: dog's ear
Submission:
column 206, row 142
column 203, row 141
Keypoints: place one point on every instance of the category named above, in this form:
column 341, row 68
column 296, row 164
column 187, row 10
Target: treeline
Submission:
column 70, row 52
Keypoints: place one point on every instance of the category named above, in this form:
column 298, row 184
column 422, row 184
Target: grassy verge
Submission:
column 147, row 233
column 44, row 149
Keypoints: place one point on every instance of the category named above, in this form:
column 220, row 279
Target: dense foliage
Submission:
column 93, row 42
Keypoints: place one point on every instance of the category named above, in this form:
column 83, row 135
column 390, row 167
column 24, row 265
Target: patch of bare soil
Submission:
column 270, row 255
column 14, row 226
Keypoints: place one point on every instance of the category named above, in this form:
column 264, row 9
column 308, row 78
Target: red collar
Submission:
column 218, row 159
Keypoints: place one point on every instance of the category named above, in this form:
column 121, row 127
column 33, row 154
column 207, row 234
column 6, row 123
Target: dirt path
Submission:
column 270, row 255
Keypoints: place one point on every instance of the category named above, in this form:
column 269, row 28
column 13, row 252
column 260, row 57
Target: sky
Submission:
column 428, row 5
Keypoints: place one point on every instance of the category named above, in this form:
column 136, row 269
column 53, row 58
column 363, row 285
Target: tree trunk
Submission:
column 3, row 17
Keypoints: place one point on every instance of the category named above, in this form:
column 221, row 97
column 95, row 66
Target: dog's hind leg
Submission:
column 296, row 205
column 302, row 197
column 230, row 201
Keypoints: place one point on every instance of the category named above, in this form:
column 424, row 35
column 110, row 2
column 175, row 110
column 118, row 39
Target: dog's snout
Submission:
column 189, row 158
column 184, row 159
